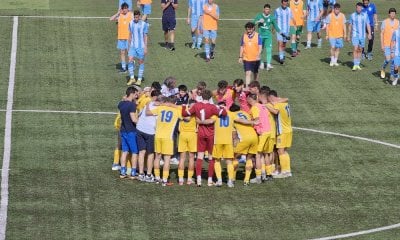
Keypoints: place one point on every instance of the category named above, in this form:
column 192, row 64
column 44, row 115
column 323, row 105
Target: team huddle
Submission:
column 252, row 123
column 248, row 122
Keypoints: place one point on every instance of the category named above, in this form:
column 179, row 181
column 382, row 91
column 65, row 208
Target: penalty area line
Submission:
column 7, row 133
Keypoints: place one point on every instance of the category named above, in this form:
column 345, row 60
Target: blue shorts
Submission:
column 194, row 22
column 251, row 66
column 122, row 44
column 358, row 42
column 396, row 61
column 168, row 24
column 210, row 34
column 146, row 8
column 280, row 38
column 336, row 42
column 314, row 26
column 128, row 142
column 387, row 51
column 145, row 141
column 136, row 53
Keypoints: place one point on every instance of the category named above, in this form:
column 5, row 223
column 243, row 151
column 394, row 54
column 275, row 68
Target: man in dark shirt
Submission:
column 169, row 22
column 127, row 109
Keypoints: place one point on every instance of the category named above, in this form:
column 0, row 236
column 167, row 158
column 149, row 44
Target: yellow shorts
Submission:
column 164, row 146
column 187, row 142
column 247, row 146
column 263, row 142
column 223, row 151
column 271, row 143
column 284, row 140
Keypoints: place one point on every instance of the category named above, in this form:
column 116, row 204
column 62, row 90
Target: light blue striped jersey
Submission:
column 196, row 7
column 283, row 17
column 396, row 38
column 138, row 31
column 359, row 23
column 314, row 8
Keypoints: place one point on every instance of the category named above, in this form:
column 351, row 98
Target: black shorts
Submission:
column 168, row 23
column 251, row 66
column 145, row 141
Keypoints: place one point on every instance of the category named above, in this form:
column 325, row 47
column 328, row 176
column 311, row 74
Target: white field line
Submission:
column 98, row 17
column 349, row 136
column 360, row 232
column 7, row 133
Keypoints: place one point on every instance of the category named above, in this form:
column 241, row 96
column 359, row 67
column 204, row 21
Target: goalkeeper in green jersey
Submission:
column 265, row 21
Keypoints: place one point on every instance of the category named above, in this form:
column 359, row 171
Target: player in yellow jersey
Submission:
column 245, row 140
column 124, row 17
column 144, row 99
column 187, row 143
column 284, row 134
column 168, row 115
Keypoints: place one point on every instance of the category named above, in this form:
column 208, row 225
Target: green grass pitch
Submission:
column 61, row 184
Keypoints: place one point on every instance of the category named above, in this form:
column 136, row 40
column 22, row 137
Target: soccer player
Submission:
column 117, row 150
column 223, row 144
column 246, row 139
column 205, row 135
column 283, row 16
column 146, row 127
column 137, row 47
column 389, row 25
column 241, row 94
column 264, row 22
column 144, row 99
column 194, row 17
column 169, row 22
column 168, row 115
column 358, row 22
column 299, row 11
column 124, row 17
column 145, row 7
column 335, row 32
column 210, row 27
column 127, row 109
column 260, row 115
column 328, row 8
column 395, row 47
column 224, row 94
column 187, row 144
column 129, row 2
column 250, row 51
column 182, row 96
column 284, row 133
column 314, row 15
column 370, row 9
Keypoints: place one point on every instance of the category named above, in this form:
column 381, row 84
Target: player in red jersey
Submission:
column 205, row 133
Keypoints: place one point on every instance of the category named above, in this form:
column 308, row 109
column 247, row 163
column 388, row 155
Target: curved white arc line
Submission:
column 380, row 229
column 349, row 136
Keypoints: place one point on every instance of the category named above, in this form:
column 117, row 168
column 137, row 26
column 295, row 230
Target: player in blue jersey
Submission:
column 283, row 15
column 395, row 48
column 194, row 17
column 138, row 30
column 370, row 9
column 328, row 8
column 358, row 22
column 314, row 15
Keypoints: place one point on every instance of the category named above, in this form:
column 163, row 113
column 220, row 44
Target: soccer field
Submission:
column 60, row 181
